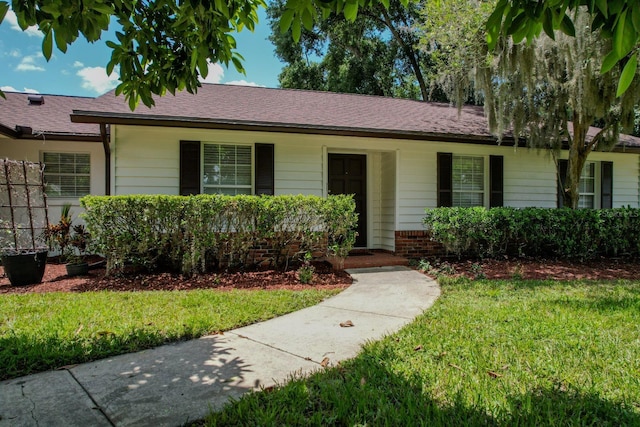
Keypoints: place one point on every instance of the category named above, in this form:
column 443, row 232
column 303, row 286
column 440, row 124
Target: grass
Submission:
column 522, row 353
column 39, row 332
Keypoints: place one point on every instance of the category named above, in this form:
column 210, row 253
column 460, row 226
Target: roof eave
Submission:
column 202, row 123
column 7, row 131
column 130, row 119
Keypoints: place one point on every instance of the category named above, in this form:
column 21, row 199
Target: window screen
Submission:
column 226, row 169
column 587, row 186
column 67, row 174
column 468, row 181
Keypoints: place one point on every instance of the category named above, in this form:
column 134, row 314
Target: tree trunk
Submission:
column 410, row 52
column 578, row 152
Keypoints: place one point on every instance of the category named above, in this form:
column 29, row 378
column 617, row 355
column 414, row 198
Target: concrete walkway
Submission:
column 177, row 383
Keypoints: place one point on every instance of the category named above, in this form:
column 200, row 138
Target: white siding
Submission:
column 146, row 160
column 388, row 201
column 32, row 150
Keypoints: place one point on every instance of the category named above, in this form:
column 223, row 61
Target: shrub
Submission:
column 194, row 233
column 536, row 232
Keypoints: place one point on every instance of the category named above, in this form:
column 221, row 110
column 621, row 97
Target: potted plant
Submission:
column 23, row 216
column 23, row 266
column 70, row 241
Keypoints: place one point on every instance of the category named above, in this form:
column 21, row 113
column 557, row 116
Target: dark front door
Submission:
column 348, row 175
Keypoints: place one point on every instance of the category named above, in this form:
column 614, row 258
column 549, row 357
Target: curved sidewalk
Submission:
column 177, row 383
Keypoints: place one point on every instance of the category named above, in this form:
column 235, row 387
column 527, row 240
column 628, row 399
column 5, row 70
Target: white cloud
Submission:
column 78, row 64
column 11, row 18
column 243, row 83
column 13, row 89
column 216, row 73
column 15, row 53
column 97, row 80
column 28, row 63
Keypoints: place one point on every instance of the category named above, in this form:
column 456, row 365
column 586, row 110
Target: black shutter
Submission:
column 562, row 174
column 189, row 168
column 445, row 181
column 606, row 185
column 264, row 173
column 496, row 181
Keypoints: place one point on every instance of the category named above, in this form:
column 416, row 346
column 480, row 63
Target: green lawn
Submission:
column 523, row 353
column 39, row 332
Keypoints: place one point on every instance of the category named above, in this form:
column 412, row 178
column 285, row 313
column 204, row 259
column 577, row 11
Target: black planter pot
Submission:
column 80, row 269
column 24, row 268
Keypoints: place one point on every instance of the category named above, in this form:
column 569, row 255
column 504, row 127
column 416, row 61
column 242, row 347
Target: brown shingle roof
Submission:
column 51, row 118
column 302, row 110
column 227, row 106
column 242, row 105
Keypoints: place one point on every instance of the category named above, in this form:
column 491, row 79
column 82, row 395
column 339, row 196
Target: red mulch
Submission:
column 599, row 269
column 56, row 280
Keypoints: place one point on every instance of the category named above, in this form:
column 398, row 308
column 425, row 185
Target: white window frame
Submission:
column 597, row 185
column 204, row 186
column 74, row 174
column 485, row 178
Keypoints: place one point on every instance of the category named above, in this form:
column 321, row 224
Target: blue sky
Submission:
column 80, row 71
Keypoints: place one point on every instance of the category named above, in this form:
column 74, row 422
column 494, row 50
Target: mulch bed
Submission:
column 56, row 280
column 598, row 269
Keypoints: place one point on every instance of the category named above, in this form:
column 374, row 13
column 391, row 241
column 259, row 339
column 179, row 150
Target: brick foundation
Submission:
column 417, row 244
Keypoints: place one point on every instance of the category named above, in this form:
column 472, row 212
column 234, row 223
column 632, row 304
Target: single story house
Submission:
column 396, row 156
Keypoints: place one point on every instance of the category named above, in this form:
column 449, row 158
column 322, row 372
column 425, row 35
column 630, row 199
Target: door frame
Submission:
column 369, row 177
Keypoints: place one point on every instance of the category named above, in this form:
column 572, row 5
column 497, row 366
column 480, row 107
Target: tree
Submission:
column 375, row 54
column 547, row 91
column 617, row 20
column 162, row 45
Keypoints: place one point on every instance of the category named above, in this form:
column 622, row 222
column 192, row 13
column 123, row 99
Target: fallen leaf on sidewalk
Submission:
column 346, row 324
column 325, row 362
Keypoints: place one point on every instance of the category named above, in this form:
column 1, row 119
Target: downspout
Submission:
column 107, row 158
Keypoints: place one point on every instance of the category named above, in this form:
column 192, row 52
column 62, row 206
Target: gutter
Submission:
column 7, row 131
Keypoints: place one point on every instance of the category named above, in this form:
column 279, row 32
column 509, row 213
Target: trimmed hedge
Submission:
column 536, row 232
column 197, row 233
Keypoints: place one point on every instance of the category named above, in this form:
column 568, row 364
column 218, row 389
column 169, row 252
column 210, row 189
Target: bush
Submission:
column 195, row 233
column 536, row 232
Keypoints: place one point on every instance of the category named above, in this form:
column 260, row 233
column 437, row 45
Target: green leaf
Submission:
column 385, row 3
column 4, row 7
column 61, row 41
column 628, row 74
column 296, row 30
column 286, row 19
column 609, row 61
column 547, row 24
column 602, row 5
column 635, row 19
column 110, row 66
column 494, row 22
column 307, row 19
column 238, row 64
column 47, row 45
column 624, row 37
column 566, row 26
column 350, row 11
column 517, row 25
